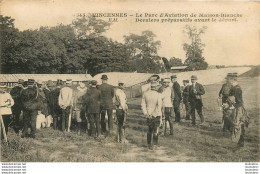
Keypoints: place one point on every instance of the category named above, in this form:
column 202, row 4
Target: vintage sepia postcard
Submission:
column 129, row 81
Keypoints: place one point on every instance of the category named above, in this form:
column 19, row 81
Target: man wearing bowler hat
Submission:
column 195, row 92
column 107, row 94
column 177, row 98
column 92, row 99
column 17, row 107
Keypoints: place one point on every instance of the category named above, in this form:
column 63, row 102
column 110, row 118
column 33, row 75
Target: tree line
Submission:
column 82, row 46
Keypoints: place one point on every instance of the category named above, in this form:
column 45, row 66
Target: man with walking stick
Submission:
column 65, row 102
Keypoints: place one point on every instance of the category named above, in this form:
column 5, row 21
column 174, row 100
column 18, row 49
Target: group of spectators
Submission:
column 90, row 106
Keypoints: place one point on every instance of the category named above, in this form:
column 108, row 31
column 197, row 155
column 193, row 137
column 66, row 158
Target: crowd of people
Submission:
column 90, row 105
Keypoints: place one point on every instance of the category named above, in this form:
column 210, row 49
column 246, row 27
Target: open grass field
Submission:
column 188, row 144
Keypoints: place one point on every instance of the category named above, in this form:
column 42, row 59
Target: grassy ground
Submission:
column 190, row 144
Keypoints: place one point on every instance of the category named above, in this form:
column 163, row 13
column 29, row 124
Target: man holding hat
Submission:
column 152, row 109
column 177, row 98
column 6, row 102
column 93, row 98
column 107, row 94
column 31, row 106
column 57, row 112
column 17, row 107
column 66, row 102
column 195, row 92
column 121, row 111
column 185, row 94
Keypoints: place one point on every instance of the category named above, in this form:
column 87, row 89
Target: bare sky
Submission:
column 235, row 43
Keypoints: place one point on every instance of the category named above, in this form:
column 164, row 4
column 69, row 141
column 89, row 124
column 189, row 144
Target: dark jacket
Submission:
column 16, row 95
column 31, row 99
column 185, row 94
column 236, row 91
column 177, row 93
column 196, row 97
column 92, row 100
column 107, row 94
column 225, row 91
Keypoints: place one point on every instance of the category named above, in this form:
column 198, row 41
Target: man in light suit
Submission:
column 152, row 109
column 195, row 92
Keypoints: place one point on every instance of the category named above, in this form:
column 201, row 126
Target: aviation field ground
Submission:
column 188, row 144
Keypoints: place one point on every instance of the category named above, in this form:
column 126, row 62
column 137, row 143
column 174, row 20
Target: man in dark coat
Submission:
column 93, row 98
column 223, row 96
column 57, row 112
column 31, row 106
column 241, row 119
column 107, row 94
column 195, row 92
column 177, row 98
column 185, row 97
column 17, row 107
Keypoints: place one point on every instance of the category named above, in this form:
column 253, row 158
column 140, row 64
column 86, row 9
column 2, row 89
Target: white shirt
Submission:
column 152, row 103
column 121, row 98
column 167, row 97
column 65, row 97
column 6, row 99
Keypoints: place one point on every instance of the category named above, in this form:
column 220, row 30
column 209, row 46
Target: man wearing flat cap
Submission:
column 152, row 109
column 92, row 99
column 17, row 107
column 31, row 106
column 223, row 96
column 167, row 96
column 66, row 102
column 177, row 98
column 107, row 94
column 185, row 96
column 195, row 92
column 121, row 112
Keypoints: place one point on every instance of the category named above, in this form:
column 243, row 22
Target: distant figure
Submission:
column 93, row 98
column 152, row 109
column 167, row 95
column 6, row 102
column 79, row 106
column 223, row 96
column 195, row 92
column 41, row 121
column 66, row 102
column 57, row 111
column 107, row 94
column 17, row 107
column 177, row 98
column 121, row 112
column 185, row 97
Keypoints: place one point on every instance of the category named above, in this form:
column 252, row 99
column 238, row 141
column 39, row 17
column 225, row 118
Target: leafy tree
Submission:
column 143, row 52
column 175, row 61
column 194, row 50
